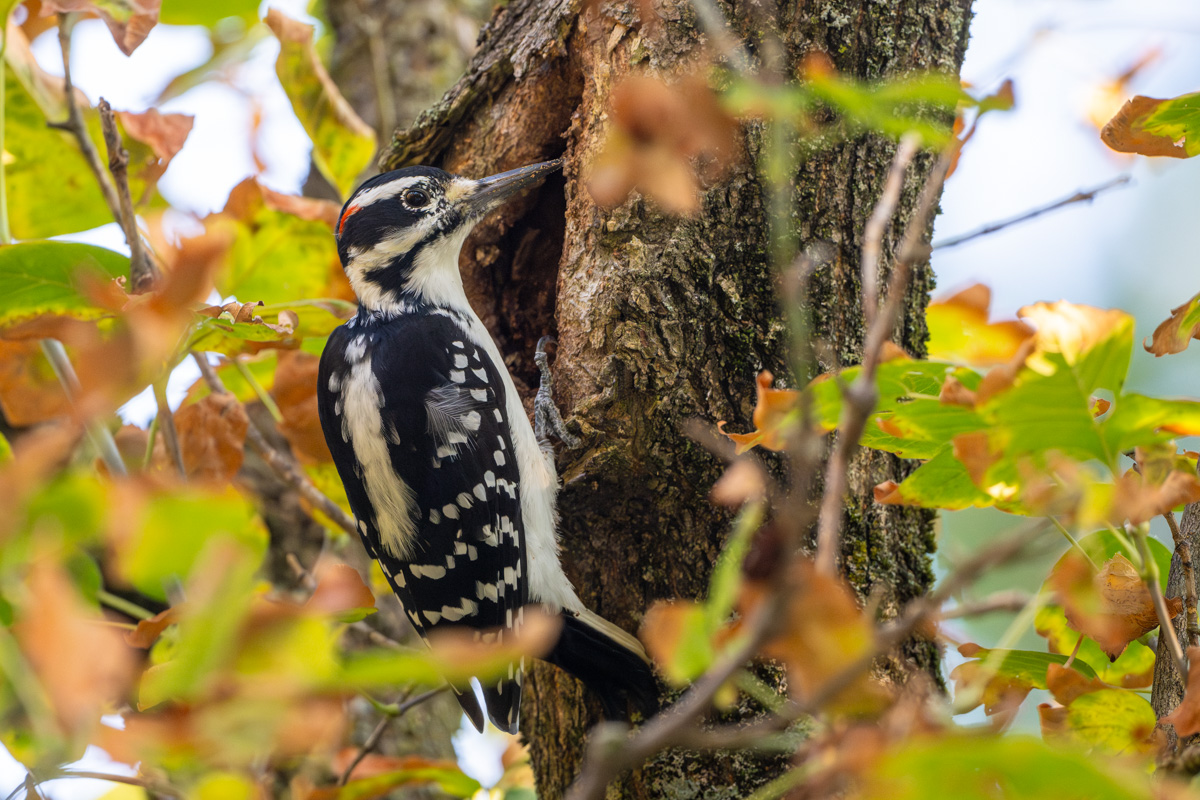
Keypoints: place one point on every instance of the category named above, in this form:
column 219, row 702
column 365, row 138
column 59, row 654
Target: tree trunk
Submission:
column 663, row 319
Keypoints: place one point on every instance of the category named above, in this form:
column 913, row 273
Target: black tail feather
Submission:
column 470, row 706
column 503, row 701
column 609, row 662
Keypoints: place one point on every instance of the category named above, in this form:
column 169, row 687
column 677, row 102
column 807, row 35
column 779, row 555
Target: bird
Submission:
column 452, row 489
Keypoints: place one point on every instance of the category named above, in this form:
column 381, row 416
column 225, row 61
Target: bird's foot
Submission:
column 546, row 419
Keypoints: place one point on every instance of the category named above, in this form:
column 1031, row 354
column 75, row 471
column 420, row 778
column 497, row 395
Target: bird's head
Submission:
column 400, row 233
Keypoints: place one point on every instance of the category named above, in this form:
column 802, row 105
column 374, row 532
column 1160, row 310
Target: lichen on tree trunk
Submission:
column 663, row 319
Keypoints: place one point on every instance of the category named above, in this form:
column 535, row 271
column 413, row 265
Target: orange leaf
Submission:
column 1114, row 607
column 1067, row 684
column 295, row 392
column 339, row 588
column 1171, row 335
column 1125, row 133
column 129, row 21
column 212, row 437
column 148, row 630
column 82, row 666
column 770, row 415
column 959, row 330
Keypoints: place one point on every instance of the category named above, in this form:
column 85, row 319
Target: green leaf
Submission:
column 941, row 482
column 208, row 12
column 726, row 576
column 1136, row 420
column 40, row 278
column 224, row 786
column 6, row 453
column 276, row 258
column 1133, row 668
column 988, row 767
column 51, row 190
column 208, row 635
column 449, row 779
column 343, row 145
column 173, row 529
column 1116, row 720
column 1029, row 666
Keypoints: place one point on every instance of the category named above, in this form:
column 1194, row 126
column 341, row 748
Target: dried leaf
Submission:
column 742, row 482
column 212, row 437
column 772, row 414
column 29, row 391
column 1153, row 127
column 129, row 21
column 164, row 133
column 1001, row 695
column 339, row 589
column 1139, row 500
column 1067, row 684
column 974, row 451
column 665, row 141
column 148, row 630
column 1186, row 716
column 83, row 666
column 295, row 392
column 1175, row 333
column 1113, row 607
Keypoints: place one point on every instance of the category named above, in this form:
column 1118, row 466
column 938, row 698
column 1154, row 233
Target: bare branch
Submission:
column 142, row 272
column 1000, row 601
column 860, row 397
column 74, row 123
column 1166, row 628
column 373, row 740
column 166, row 424
column 1189, row 578
column 877, row 223
column 1081, row 196
column 150, row 785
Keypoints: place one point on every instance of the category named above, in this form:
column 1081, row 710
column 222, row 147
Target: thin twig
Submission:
column 75, row 124
column 166, row 425
column 304, row 576
column 860, row 397
column 877, row 223
column 99, row 435
column 1189, row 578
column 150, row 785
column 1150, row 577
column 142, row 272
column 1000, row 601
column 373, row 740
column 283, row 466
column 1082, row 196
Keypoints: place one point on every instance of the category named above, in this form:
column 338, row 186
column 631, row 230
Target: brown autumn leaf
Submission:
column 1054, row 720
column 954, row 393
column 824, row 633
column 129, row 21
column 164, row 133
column 1138, row 499
column 1113, row 607
column 306, row 208
column 29, row 391
column 1067, row 684
column 82, row 665
column 339, row 588
column 212, row 437
column 1186, row 716
column 1176, row 332
column 1126, row 133
column 148, row 630
column 771, row 412
column 974, row 451
column 1001, row 695
column 742, row 482
column 461, row 655
column 666, row 140
column 295, row 392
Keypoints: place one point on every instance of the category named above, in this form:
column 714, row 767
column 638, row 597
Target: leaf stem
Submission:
column 260, row 392
column 100, row 436
column 1074, row 542
column 126, row 607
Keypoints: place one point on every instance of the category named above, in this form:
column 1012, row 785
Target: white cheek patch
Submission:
column 459, row 189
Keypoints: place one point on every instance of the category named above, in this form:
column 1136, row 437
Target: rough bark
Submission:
column 661, row 319
column 1168, row 688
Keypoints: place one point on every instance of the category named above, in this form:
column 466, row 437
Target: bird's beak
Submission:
column 492, row 191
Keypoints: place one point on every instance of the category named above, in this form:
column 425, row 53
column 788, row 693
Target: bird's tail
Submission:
column 609, row 661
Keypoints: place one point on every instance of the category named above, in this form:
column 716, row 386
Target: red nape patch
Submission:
column 345, row 216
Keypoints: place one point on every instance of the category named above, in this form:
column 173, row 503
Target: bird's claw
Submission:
column 546, row 418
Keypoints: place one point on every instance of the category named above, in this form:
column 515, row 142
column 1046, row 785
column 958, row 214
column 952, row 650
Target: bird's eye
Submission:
column 415, row 198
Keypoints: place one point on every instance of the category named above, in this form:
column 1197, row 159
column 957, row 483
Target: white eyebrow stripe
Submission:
column 384, row 192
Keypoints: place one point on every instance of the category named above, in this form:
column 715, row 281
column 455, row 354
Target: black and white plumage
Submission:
column 452, row 491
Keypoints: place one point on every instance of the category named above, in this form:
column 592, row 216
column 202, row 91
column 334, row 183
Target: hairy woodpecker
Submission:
column 452, row 489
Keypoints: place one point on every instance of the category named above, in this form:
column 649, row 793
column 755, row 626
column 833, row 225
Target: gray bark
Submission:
column 1167, row 692
column 661, row 320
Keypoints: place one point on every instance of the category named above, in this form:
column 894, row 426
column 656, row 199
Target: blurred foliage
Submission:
column 137, row 586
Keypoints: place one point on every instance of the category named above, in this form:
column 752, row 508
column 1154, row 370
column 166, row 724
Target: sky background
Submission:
column 1133, row 247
